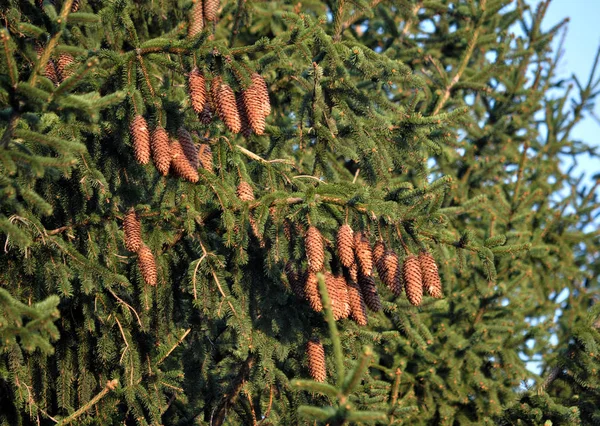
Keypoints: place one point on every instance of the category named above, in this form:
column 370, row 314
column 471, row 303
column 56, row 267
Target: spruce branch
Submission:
column 231, row 396
column 110, row 386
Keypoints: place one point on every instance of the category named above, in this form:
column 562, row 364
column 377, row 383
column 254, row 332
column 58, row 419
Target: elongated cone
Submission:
column 392, row 273
column 197, row 89
column 295, row 284
column 161, row 150
column 315, row 251
column 226, row 104
column 211, row 8
column 358, row 309
column 363, row 252
column 431, row 277
column 413, row 280
column 345, row 245
column 180, row 163
column 316, row 360
column 369, row 292
column 147, row 265
column 245, row 192
column 378, row 252
column 196, row 19
column 254, row 103
column 338, row 295
column 140, row 136
column 64, row 66
column 206, row 158
column 311, row 291
column 262, row 93
column 189, row 148
column 133, row 231
column 246, row 129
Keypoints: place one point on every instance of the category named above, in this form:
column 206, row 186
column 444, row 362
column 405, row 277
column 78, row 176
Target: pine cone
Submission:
column 205, row 156
column 311, row 291
column 206, row 115
column 189, row 148
column 244, row 191
column 211, row 7
column 413, row 282
column 224, row 98
column 246, row 130
column 345, row 245
column 161, row 151
column 147, row 264
column 295, row 284
column 316, row 360
column 353, row 272
column 141, row 139
column 64, row 66
column 133, row 231
column 391, row 272
column 313, row 243
column 196, row 19
column 254, row 103
column 358, row 309
column 362, row 249
column 180, row 163
column 50, row 69
column 378, row 252
column 369, row 292
column 338, row 296
column 75, row 6
column 431, row 277
column 197, row 86
column 262, row 93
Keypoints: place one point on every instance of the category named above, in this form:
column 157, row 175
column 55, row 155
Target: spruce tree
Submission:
column 294, row 213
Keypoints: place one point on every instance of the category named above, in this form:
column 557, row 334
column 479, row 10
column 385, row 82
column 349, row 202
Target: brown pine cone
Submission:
column 316, row 360
column 64, row 66
column 226, row 104
column 211, row 8
column 391, row 272
column 353, row 272
column 338, row 296
column 133, row 231
column 311, row 291
column 431, row 277
column 206, row 115
column 413, row 281
column 378, row 252
column 147, row 264
column 75, row 6
column 189, row 148
column 161, row 150
column 295, row 284
column 205, row 156
column 345, row 245
column 261, row 93
column 315, row 252
column 180, row 163
column 244, row 191
column 196, row 19
column 362, row 249
column 197, row 87
column 246, row 129
column 254, row 103
column 369, row 292
column 140, row 136
column 50, row 68
column 358, row 309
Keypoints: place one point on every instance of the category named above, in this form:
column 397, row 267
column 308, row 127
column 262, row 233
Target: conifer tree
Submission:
column 355, row 213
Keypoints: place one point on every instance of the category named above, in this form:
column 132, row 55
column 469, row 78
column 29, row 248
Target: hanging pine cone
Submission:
column 362, row 249
column 311, row 291
column 141, row 139
column 75, row 6
column 316, row 360
column 353, row 272
column 197, row 87
column 358, row 309
column 211, row 8
column 246, row 130
column 254, row 103
column 205, row 156
column 369, row 292
column 196, row 19
column 391, row 272
column 189, row 148
column 262, row 93
column 147, row 264
column 64, row 66
column 226, row 105
column 133, row 231
column 295, row 284
column 345, row 245
column 338, row 296
column 161, row 151
column 431, row 277
column 378, row 252
column 413, row 281
column 180, row 163
column 244, row 191
column 206, row 115
column 313, row 243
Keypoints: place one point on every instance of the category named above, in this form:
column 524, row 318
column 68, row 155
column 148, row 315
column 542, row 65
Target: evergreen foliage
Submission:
column 184, row 290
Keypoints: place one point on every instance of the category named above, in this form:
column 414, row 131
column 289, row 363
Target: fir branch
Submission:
column 110, row 385
column 230, row 397
column 165, row 356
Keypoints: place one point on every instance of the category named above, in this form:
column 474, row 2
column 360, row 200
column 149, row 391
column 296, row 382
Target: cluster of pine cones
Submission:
column 355, row 290
column 133, row 242
column 202, row 11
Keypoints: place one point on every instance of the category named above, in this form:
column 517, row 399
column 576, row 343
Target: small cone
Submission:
column 245, row 192
column 313, row 243
column 369, row 292
column 75, row 6
column 205, row 156
column 64, row 66
column 338, row 295
column 391, row 267
column 147, row 265
column 295, row 284
column 246, row 129
column 211, row 7
column 311, row 291
column 133, row 231
column 413, row 281
column 226, row 105
column 316, row 360
column 161, row 150
column 358, row 309
column 197, row 87
column 378, row 252
column 180, row 163
column 140, row 136
column 189, row 148
column 362, row 249
column 345, row 245
column 431, row 277
column 196, row 19
column 254, row 103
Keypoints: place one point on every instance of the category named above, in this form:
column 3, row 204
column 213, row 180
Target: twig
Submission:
column 128, row 305
column 110, row 385
column 231, row 396
column 174, row 346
